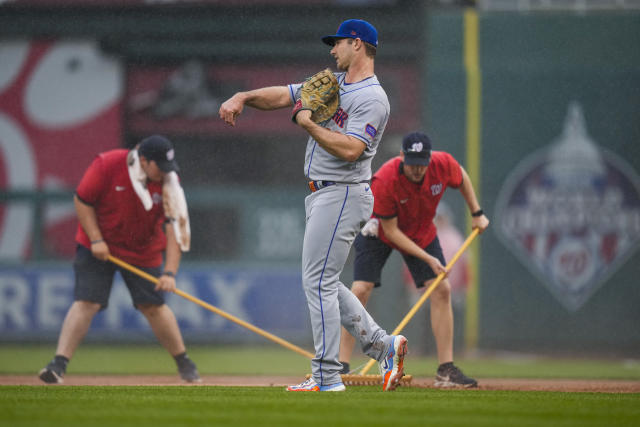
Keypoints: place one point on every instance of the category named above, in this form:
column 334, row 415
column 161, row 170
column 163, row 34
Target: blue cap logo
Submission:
column 354, row 29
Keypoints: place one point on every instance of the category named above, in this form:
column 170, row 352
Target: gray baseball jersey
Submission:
column 334, row 216
column 363, row 113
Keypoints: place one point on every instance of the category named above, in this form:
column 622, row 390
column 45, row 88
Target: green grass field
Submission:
column 210, row 405
column 274, row 360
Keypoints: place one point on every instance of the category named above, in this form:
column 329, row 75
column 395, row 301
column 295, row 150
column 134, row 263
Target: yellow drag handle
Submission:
column 427, row 293
column 214, row 309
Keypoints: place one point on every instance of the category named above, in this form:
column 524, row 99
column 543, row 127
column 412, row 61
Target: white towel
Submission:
column 139, row 179
column 175, row 208
column 173, row 199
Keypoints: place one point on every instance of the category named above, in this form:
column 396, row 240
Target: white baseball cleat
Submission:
column 311, row 385
column 391, row 367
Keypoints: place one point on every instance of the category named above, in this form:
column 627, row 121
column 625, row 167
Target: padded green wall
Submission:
column 533, row 65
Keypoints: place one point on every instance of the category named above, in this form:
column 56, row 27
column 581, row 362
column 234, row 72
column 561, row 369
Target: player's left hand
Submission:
column 166, row 283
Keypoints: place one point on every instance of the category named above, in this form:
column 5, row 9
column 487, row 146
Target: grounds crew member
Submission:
column 407, row 190
column 119, row 203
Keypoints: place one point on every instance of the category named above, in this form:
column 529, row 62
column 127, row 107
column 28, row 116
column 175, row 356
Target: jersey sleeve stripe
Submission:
column 291, row 94
column 363, row 138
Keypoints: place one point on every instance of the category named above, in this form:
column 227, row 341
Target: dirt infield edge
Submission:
column 563, row 385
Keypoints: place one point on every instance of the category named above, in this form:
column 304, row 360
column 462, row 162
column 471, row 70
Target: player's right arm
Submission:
column 408, row 246
column 89, row 222
column 266, row 98
column 345, row 147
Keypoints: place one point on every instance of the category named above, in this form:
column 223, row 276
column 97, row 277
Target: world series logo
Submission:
column 571, row 213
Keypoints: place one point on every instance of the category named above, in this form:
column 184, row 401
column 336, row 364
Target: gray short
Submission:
column 94, row 279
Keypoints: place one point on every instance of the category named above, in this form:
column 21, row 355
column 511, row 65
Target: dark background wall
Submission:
column 245, row 185
column 533, row 68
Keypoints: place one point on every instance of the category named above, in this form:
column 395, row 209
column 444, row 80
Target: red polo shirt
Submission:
column 413, row 204
column 133, row 234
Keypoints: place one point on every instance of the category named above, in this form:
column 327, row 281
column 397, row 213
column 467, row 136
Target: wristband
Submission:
column 477, row 213
column 93, row 242
column 168, row 273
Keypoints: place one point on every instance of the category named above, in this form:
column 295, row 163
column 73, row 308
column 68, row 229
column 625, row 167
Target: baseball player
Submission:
column 120, row 211
column 338, row 168
column 407, row 190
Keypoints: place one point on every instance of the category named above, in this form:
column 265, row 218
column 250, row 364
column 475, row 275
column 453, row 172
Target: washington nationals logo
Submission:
column 416, row 147
column 571, row 213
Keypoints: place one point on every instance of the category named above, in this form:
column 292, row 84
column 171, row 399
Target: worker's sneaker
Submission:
column 188, row 371
column 52, row 373
column 450, row 376
column 311, row 385
column 391, row 367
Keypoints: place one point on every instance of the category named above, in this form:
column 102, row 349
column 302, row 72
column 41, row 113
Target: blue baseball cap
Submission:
column 352, row 29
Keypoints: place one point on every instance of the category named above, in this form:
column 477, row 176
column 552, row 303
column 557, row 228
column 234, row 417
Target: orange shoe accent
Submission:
column 316, row 388
column 386, row 380
column 391, row 382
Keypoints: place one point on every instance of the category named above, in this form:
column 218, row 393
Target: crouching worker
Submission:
column 124, row 204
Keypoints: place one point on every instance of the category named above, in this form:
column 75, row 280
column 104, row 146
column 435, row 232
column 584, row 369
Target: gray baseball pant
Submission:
column 334, row 216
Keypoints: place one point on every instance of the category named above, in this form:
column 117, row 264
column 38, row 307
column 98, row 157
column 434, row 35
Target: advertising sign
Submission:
column 571, row 212
column 34, row 301
column 60, row 104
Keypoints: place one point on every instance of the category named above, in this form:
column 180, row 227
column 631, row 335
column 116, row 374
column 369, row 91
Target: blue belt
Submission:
column 318, row 185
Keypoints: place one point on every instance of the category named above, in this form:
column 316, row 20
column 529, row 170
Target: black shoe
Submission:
column 449, row 375
column 52, row 374
column 345, row 368
column 188, row 371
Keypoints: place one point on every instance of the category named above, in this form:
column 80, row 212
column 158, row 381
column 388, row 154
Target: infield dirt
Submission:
column 566, row 385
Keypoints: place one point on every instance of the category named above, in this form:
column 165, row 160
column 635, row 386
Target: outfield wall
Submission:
column 35, row 299
column 558, row 164
column 555, row 156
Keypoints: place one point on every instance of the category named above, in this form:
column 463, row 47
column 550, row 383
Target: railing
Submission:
column 557, row 5
column 230, row 224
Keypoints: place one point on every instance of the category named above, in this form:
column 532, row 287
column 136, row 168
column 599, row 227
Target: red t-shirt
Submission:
column 413, row 204
column 132, row 233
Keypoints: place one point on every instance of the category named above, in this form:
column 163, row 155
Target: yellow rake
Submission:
column 347, row 379
column 356, row 379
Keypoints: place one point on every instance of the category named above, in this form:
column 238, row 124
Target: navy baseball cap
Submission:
column 159, row 149
column 352, row 29
column 416, row 147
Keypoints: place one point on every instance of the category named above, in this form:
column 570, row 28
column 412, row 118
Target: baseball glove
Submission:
column 320, row 93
